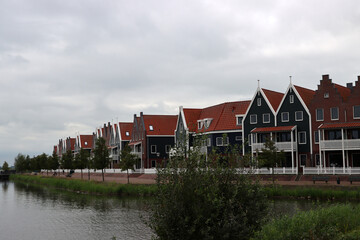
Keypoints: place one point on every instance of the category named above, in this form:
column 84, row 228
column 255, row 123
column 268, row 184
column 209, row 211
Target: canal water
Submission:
column 28, row 212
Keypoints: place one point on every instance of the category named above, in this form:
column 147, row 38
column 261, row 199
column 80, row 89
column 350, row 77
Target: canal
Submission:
column 29, row 212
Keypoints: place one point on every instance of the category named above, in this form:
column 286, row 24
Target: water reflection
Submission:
column 29, row 212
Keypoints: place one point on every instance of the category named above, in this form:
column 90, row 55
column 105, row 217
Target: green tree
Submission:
column 67, row 160
column 101, row 155
column 54, row 161
column 5, row 167
column 270, row 156
column 20, row 163
column 205, row 198
column 127, row 160
column 81, row 160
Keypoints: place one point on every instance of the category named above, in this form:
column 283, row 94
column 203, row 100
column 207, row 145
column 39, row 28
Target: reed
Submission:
column 90, row 187
column 341, row 221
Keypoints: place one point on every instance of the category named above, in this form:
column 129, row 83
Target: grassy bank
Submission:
column 90, row 187
column 341, row 222
column 307, row 192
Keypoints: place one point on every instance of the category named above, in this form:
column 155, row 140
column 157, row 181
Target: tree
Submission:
column 270, row 156
column 67, row 160
column 54, row 161
column 127, row 160
column 81, row 160
column 205, row 198
column 101, row 155
column 20, row 163
column 5, row 167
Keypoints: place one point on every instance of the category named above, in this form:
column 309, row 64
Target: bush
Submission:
column 204, row 199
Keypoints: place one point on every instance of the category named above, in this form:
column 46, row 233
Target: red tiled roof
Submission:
column 191, row 116
column 125, row 127
column 306, row 94
column 88, row 139
column 227, row 119
column 273, row 97
column 162, row 124
column 273, row 129
column 344, row 91
column 340, row 125
column 213, row 112
column 72, row 143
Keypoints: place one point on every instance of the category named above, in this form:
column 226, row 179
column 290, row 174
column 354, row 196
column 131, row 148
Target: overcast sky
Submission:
column 68, row 66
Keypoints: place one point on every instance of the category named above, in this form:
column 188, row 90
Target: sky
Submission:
column 70, row 66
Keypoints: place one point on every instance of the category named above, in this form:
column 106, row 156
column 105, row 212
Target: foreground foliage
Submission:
column 340, row 222
column 200, row 198
column 90, row 187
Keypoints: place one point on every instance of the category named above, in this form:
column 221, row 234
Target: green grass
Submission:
column 341, row 222
column 90, row 187
column 313, row 192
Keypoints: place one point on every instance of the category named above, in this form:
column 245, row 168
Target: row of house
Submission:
column 313, row 127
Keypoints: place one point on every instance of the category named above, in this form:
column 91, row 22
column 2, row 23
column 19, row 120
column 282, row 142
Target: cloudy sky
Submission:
column 68, row 66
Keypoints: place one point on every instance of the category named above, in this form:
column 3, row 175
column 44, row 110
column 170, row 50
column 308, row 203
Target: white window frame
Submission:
column 326, row 95
column 302, row 116
column 255, row 119
column 208, row 142
column 291, row 98
column 151, row 127
column 238, row 138
column 331, row 113
column 318, row 137
column 317, row 116
column 302, row 132
column 258, row 101
column 354, row 117
column 268, row 114
column 282, row 117
column 249, row 140
column 151, row 149
column 219, row 141
column 127, row 133
column 200, row 124
column 226, row 143
column 167, row 148
column 237, row 120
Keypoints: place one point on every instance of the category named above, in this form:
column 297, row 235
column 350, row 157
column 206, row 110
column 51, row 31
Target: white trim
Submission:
column 255, row 120
column 300, row 138
column 258, row 102
column 302, row 116
column 338, row 113
column 282, row 117
column 151, row 150
column 316, row 115
column 354, row 112
column 169, row 148
column 291, row 98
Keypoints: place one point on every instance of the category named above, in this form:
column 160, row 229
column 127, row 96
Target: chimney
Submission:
column 349, row 85
column 325, row 77
column 141, row 114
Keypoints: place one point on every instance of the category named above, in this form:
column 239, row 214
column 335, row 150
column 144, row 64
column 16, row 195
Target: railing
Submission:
column 281, row 146
column 349, row 144
column 331, row 170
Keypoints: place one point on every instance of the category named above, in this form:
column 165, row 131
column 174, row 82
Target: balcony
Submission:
column 349, row 144
column 281, row 146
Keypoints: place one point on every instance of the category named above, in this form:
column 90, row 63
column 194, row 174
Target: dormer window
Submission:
column 200, row 124
column 207, row 122
column 326, row 95
column 85, row 143
column 151, row 128
column 291, row 98
column 259, row 102
column 127, row 133
column 239, row 120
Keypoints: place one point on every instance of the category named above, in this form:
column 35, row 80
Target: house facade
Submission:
column 152, row 137
column 121, row 135
column 336, row 124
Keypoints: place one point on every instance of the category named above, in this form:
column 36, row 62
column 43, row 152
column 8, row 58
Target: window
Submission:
column 153, row 163
column 291, row 98
column 317, row 159
column 303, row 159
column 200, row 124
column 316, row 137
column 357, row 112
column 334, row 113
column 319, row 114
column 302, row 137
column 326, row 95
column 127, row 133
column 85, row 143
column 253, row 119
column 220, row 141
column 299, row 116
column 167, row 148
column 151, row 128
column 334, row 135
column 209, row 142
column 153, row 149
column 266, row 117
column 259, row 102
column 238, row 138
column 239, row 120
column 355, row 134
column 249, row 139
column 285, row 116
